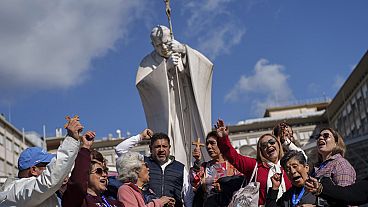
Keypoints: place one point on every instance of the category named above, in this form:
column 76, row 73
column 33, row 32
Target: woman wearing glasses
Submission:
column 88, row 179
column 134, row 172
column 331, row 162
column 269, row 153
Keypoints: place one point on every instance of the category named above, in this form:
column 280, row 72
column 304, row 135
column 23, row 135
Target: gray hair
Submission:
column 128, row 166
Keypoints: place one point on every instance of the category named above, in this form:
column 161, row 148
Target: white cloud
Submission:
column 50, row 44
column 216, row 29
column 267, row 86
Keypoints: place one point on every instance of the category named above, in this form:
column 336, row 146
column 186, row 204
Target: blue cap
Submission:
column 33, row 156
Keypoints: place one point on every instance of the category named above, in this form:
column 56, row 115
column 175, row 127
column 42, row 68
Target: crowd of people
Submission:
column 77, row 175
column 285, row 179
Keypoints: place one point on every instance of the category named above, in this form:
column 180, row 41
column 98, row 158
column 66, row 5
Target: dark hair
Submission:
column 157, row 136
column 293, row 154
column 211, row 134
column 278, row 128
column 96, row 155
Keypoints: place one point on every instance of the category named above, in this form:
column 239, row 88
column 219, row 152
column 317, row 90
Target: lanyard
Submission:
column 321, row 166
column 105, row 201
column 294, row 200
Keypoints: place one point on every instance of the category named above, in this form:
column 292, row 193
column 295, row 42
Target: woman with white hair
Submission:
column 134, row 172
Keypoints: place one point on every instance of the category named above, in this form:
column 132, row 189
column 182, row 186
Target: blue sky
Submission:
column 80, row 57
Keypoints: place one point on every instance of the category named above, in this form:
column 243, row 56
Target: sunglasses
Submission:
column 265, row 144
column 100, row 171
column 325, row 136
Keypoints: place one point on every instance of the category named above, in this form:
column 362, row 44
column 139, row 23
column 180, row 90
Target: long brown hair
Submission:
column 340, row 144
column 260, row 157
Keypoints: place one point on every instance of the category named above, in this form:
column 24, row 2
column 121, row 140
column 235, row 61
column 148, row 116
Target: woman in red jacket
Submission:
column 269, row 153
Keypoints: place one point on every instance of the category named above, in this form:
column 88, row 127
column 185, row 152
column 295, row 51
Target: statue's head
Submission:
column 160, row 37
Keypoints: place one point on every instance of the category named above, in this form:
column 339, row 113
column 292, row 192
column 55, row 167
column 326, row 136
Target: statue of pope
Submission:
column 174, row 82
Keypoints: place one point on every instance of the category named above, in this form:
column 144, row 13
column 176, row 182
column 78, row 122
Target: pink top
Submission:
column 132, row 197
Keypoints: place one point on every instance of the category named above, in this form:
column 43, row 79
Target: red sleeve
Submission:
column 242, row 163
column 78, row 182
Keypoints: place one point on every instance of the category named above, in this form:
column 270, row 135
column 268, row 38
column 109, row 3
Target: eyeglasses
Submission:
column 325, row 136
column 100, row 171
column 265, row 144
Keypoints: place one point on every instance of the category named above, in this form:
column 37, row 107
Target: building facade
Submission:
column 347, row 112
column 12, row 143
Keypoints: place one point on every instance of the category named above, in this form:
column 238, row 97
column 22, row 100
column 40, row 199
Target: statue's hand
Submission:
column 173, row 60
column 177, row 47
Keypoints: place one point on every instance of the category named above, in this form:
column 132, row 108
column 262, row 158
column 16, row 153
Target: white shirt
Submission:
column 187, row 190
column 40, row 191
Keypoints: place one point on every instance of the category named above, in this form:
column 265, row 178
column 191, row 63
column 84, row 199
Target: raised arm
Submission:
column 242, row 163
column 35, row 190
column 129, row 143
column 78, row 181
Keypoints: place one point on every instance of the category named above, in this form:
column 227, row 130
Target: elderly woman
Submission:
column 134, row 172
column 88, row 180
column 269, row 153
column 297, row 169
column 204, row 175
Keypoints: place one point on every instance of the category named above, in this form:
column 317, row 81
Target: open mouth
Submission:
column 103, row 181
column 321, row 144
column 297, row 178
column 270, row 151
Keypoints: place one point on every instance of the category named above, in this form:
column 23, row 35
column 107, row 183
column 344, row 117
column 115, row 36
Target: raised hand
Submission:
column 74, row 127
column 312, row 185
column 276, row 181
column 197, row 153
column 221, row 129
column 88, row 139
column 146, row 134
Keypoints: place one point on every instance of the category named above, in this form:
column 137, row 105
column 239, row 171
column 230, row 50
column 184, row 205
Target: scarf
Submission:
column 275, row 168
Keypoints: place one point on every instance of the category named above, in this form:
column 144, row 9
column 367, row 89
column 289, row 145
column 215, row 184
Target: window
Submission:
column 8, row 144
column 2, row 167
column 9, row 169
column 16, row 149
column 1, row 138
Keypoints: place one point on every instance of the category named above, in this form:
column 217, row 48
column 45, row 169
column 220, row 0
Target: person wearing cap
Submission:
column 41, row 174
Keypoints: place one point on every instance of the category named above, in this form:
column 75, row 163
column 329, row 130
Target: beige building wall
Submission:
column 12, row 143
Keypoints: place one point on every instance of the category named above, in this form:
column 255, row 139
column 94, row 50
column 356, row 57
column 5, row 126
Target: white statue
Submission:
column 174, row 82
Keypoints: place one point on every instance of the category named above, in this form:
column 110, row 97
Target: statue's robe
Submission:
column 186, row 118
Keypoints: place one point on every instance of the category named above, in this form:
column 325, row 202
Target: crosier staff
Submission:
column 168, row 14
